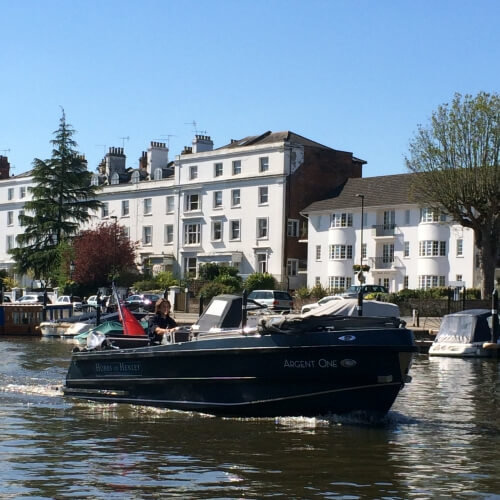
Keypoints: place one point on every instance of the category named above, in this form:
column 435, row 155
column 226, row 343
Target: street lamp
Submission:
column 360, row 275
column 71, row 271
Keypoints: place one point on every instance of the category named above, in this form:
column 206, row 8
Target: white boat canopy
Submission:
column 349, row 307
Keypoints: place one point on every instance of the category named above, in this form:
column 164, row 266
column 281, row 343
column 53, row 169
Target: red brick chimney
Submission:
column 4, row 167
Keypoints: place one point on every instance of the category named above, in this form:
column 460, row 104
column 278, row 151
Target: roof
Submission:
column 273, row 138
column 377, row 191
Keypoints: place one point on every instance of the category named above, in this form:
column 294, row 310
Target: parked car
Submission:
column 92, row 301
column 353, row 290
column 145, row 300
column 275, row 300
column 31, row 299
column 321, row 302
column 6, row 299
column 70, row 299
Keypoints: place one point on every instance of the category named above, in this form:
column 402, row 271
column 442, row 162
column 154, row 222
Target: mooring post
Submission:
column 201, row 305
column 494, row 318
column 244, row 310
column 44, row 307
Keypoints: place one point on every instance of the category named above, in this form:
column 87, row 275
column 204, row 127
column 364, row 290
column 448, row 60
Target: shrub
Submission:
column 209, row 271
column 318, row 292
column 214, row 288
column 303, row 293
column 473, row 293
column 143, row 285
column 235, row 282
column 260, row 281
column 166, row 279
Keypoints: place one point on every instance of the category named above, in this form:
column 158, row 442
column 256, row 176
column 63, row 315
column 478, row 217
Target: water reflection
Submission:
column 441, row 439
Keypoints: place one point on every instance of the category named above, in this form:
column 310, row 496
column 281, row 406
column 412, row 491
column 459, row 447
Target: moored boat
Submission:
column 114, row 334
column 464, row 334
column 287, row 366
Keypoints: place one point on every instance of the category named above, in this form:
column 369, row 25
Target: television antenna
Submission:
column 123, row 140
column 168, row 136
column 4, row 150
column 195, row 128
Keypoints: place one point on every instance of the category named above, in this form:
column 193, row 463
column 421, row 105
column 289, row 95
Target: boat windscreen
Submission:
column 463, row 329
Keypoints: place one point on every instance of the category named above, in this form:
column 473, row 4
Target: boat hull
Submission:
column 273, row 375
column 470, row 350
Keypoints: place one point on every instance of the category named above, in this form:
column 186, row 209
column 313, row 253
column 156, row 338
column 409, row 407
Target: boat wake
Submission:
column 33, row 389
column 362, row 418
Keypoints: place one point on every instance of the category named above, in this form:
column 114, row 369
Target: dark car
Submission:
column 145, row 301
column 352, row 291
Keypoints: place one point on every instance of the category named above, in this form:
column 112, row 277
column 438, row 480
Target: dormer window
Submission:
column 135, row 177
column 158, row 174
column 94, row 180
column 341, row 220
column 429, row 215
column 115, row 178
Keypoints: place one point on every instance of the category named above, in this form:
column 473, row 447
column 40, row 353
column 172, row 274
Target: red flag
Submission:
column 131, row 325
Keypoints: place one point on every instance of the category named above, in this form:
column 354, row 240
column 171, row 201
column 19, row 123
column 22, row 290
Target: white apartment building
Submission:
column 404, row 244
column 238, row 204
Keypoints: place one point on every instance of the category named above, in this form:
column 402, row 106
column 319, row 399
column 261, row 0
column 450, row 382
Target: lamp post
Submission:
column 71, row 271
column 360, row 275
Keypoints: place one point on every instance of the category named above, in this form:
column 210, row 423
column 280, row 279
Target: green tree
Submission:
column 61, row 199
column 457, row 157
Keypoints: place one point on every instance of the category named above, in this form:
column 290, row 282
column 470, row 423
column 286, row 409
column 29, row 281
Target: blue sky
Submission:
column 354, row 75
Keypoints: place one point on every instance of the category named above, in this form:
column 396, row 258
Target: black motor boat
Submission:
column 283, row 366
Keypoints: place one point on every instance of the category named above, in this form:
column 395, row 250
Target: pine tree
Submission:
column 62, row 196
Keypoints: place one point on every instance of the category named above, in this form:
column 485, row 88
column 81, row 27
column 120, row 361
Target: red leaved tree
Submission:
column 102, row 254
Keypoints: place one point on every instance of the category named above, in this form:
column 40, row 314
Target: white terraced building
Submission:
column 404, row 244
column 238, row 204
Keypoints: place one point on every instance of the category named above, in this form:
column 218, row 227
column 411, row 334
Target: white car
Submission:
column 66, row 299
column 92, row 301
column 321, row 302
column 30, row 299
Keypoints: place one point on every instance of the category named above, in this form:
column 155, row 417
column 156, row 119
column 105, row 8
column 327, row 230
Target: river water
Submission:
column 440, row 440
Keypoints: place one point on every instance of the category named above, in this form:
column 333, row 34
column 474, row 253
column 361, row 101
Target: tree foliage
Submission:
column 221, row 279
column 456, row 157
column 212, row 270
column 103, row 254
column 61, row 199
